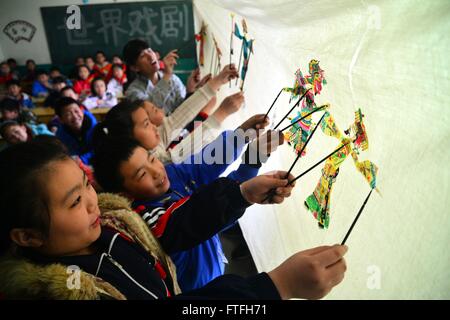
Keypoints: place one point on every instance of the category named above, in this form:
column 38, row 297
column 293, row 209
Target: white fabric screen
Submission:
column 391, row 58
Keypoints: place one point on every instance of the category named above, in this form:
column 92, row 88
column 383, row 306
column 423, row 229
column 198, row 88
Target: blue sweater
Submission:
column 204, row 262
column 79, row 145
column 38, row 88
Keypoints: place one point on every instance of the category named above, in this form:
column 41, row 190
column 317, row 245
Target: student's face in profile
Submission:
column 155, row 114
column 70, row 94
column 147, row 63
column 83, row 73
column 100, row 88
column 73, row 210
column 144, row 131
column 144, row 175
column 16, row 134
column 14, row 90
column 72, row 116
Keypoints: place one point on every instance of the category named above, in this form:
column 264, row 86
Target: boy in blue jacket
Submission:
column 159, row 190
column 76, row 128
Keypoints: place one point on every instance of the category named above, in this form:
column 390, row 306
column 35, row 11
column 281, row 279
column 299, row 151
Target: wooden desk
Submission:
column 45, row 114
column 38, row 102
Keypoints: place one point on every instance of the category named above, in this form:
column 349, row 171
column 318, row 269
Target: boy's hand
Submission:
column 204, row 80
column 310, row 274
column 259, row 150
column 257, row 189
column 256, row 122
column 193, row 80
column 170, row 61
column 228, row 73
column 229, row 105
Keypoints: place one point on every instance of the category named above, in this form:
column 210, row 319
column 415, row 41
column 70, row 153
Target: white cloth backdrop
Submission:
column 391, row 58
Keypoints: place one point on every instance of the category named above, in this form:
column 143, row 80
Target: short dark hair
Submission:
column 63, row 102
column 12, row 82
column 55, row 68
column 113, row 143
column 82, row 66
column 109, row 153
column 100, row 52
column 40, row 72
column 119, row 119
column 133, row 49
column 9, row 104
column 67, row 88
column 23, row 201
column 11, row 60
column 58, row 79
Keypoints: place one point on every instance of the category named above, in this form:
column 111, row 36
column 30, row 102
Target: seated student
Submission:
column 116, row 59
column 11, row 110
column 100, row 97
column 5, row 73
column 83, row 85
column 90, row 63
column 74, row 72
column 41, row 86
column 55, row 123
column 13, row 67
column 58, row 84
column 76, row 128
column 15, row 92
column 117, row 257
column 14, row 132
column 30, row 73
column 69, row 92
column 118, row 79
column 55, row 72
column 102, row 67
column 164, row 89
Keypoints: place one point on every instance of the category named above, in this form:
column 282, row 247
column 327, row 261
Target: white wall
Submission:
column 29, row 10
column 2, row 56
column 400, row 79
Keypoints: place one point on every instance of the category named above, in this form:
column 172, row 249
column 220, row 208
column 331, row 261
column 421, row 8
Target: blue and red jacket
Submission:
column 206, row 261
column 79, row 145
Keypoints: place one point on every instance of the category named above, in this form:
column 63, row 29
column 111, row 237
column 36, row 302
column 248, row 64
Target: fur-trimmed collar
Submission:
column 22, row 279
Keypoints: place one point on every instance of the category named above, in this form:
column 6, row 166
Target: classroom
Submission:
column 235, row 149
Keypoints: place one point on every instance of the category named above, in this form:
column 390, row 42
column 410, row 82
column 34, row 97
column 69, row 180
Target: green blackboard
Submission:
column 165, row 25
